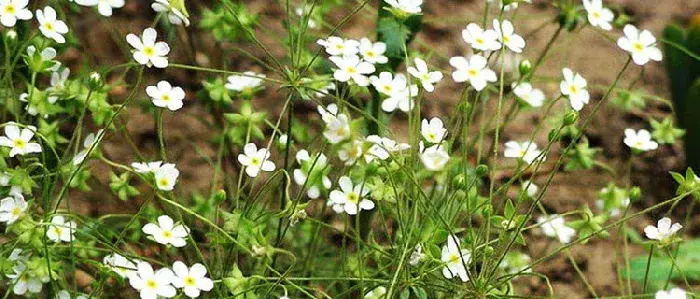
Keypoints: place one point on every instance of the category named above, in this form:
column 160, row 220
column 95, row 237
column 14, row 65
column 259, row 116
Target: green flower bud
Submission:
column 459, row 181
column 525, row 67
column 95, row 81
column 570, row 118
column 635, row 193
column 553, row 135
column 482, row 170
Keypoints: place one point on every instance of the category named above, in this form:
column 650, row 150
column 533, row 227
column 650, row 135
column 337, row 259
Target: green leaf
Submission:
column 688, row 260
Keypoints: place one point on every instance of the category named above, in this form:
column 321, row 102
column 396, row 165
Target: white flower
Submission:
column 455, row 259
column 663, row 231
column 104, row 7
column 351, row 197
column 433, row 131
column 675, row 293
column 598, row 15
column 350, row 152
column 555, row 227
column 574, row 87
column 64, row 294
column 406, row 6
column 19, row 141
column 24, row 282
column 475, row 70
column 530, row 188
column 247, row 81
column 152, row 284
column 642, row 45
column 510, row 6
column 416, row 256
column 13, row 10
column 11, row 208
column 426, row 77
column 382, row 148
column 352, row 68
column 329, row 113
column 480, row 39
column 337, row 46
column 147, row 51
column 400, row 94
column 506, row 35
column 146, row 167
column 255, row 159
column 526, row 93
column 434, row 158
column 373, row 52
column 166, row 232
column 640, row 140
column 301, row 175
column 526, row 151
column 165, row 95
column 166, row 176
column 176, row 15
column 87, row 144
column 337, row 129
column 387, row 84
column 58, row 80
column 50, row 26
column 192, row 280
column 119, row 264
column 376, row 293
column 59, row 230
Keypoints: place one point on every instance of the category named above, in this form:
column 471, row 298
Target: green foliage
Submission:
column 226, row 25
column 686, row 259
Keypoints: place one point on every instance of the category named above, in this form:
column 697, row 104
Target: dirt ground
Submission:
column 187, row 135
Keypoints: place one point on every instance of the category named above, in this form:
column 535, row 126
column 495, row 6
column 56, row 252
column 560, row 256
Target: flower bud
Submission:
column 553, row 135
column 635, row 193
column 459, row 181
column 11, row 35
column 488, row 251
column 570, row 118
column 482, row 170
column 95, row 80
column 525, row 67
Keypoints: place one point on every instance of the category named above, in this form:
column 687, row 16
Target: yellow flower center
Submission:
column 432, row 136
column 167, row 234
column 479, row 40
column 573, row 89
column 353, row 197
column 48, row 26
column 255, row 161
column 472, row 72
column 151, row 284
column 596, row 15
column 453, row 258
column 351, row 70
column 166, row 98
column 149, row 51
column 506, row 39
column 387, row 88
column 19, row 143
column 57, row 230
column 16, row 211
column 638, row 47
column 370, row 54
column 10, row 9
column 163, row 182
column 340, row 46
column 190, row 281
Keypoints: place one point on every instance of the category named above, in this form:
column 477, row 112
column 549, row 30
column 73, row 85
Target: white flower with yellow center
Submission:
column 147, row 51
column 406, row 6
column 119, row 264
column 434, row 158
column 12, row 208
column 50, row 26
column 351, row 197
column 350, row 152
column 373, row 52
column 352, row 68
column 166, row 96
column 60, row 230
column 19, row 141
column 526, row 151
column 641, row 45
column 166, row 176
column 146, row 167
column 663, row 231
column 337, row 46
column 104, row 7
column 383, row 147
column 480, row 39
column 176, row 10
column 640, row 140
column 166, row 232
column 574, row 87
column 152, row 284
column 191, row 280
column 533, row 97
column 25, row 282
column 337, row 129
column 13, row 10
column 554, row 226
column 475, row 70
column 426, row 77
column 598, row 15
column 506, row 35
column 433, row 131
column 245, row 82
column 255, row 159
column 455, row 259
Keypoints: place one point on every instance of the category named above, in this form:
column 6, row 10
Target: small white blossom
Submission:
column 426, row 77
column 640, row 140
column 525, row 151
column 574, row 87
column 642, row 45
column 382, row 148
column 302, row 175
column 104, row 7
column 530, row 188
column 598, row 15
column 13, row 10
column 480, row 39
column 350, row 152
column 416, row 256
column 19, row 141
column 406, row 6
column 434, row 158
column 147, row 51
column 675, row 293
column 433, row 131
column 50, row 26
column 373, row 52
column 12, row 208
column 146, row 167
column 166, row 176
column 351, row 197
column 455, row 259
column 352, row 68
column 531, row 96
column 337, row 129
column 554, row 226
column 166, row 232
column 246, row 81
column 376, row 293
column 152, row 284
column 475, row 70
column 506, row 35
column 176, row 14
column 255, row 159
column 165, row 95
column 328, row 113
column 25, row 282
column 119, row 264
column 60, row 230
column 400, row 94
column 191, row 280
column 336, row 46
column 663, row 231
column 87, row 144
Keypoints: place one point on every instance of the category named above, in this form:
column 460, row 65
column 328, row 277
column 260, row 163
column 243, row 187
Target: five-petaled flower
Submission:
column 574, row 86
column 152, row 284
column 50, row 26
column 165, row 95
column 663, row 231
column 598, row 15
column 526, row 151
column 147, row 51
column 422, row 73
column 641, row 45
column 192, row 280
column 13, row 10
column 19, row 140
column 640, row 140
column 60, row 230
column 350, row 198
column 255, row 159
column 455, row 259
column 166, row 232
column 475, row 70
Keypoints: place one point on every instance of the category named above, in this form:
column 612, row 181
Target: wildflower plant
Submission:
column 317, row 170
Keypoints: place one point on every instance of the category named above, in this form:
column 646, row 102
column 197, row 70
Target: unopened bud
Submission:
column 482, row 170
column 525, row 67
